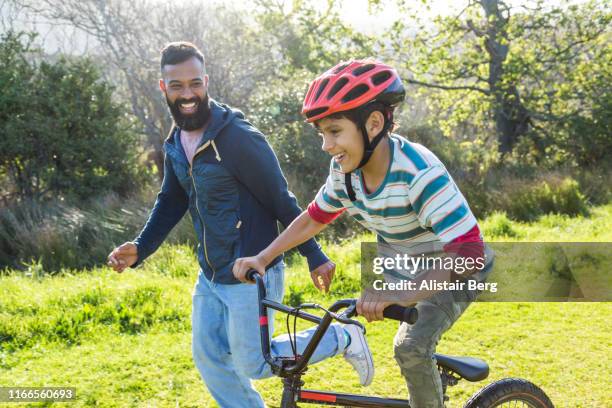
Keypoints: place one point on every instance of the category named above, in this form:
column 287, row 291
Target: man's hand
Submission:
column 323, row 275
column 371, row 305
column 123, row 256
column 243, row 265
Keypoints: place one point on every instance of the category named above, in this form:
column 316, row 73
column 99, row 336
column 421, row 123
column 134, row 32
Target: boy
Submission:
column 398, row 189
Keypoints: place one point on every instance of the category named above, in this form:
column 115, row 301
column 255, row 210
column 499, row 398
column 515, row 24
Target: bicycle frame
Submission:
column 291, row 369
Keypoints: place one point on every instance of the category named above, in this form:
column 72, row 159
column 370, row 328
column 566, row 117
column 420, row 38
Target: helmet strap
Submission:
column 368, row 150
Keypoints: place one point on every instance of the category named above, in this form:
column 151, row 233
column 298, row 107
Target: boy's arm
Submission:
column 303, row 228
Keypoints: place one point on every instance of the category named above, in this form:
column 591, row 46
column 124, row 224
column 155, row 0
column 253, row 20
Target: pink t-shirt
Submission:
column 190, row 139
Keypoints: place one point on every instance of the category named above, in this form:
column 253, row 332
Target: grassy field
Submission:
column 124, row 340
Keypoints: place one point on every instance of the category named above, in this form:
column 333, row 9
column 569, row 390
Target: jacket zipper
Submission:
column 204, row 146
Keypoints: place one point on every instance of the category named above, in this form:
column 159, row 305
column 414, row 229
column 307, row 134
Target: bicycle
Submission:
column 500, row 393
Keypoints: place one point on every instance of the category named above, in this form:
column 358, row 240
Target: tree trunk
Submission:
column 511, row 117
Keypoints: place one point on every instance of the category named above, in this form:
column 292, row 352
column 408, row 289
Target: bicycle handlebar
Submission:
column 395, row 312
column 403, row 314
column 299, row 362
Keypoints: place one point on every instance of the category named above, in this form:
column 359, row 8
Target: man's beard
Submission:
column 193, row 121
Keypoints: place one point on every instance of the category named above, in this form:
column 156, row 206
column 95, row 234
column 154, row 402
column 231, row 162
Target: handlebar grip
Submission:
column 403, row 314
column 250, row 275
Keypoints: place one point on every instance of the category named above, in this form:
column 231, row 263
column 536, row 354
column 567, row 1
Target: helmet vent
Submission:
column 316, row 112
column 321, row 88
column 340, row 68
column 381, row 77
column 363, row 69
column 337, row 87
column 355, row 93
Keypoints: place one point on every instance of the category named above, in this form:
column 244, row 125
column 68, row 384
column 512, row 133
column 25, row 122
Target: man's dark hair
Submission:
column 180, row 51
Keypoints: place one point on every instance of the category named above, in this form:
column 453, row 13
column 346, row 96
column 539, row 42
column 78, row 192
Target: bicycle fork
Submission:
column 291, row 391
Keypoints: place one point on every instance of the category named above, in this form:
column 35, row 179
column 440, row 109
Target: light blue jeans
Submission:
column 226, row 344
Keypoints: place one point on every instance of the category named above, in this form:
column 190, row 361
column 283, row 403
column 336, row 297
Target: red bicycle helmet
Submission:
column 352, row 84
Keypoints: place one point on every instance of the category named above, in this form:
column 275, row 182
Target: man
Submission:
column 221, row 169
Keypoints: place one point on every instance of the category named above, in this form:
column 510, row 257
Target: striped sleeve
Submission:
column 327, row 199
column 439, row 204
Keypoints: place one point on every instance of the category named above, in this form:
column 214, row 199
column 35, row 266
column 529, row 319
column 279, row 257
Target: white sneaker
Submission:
column 358, row 354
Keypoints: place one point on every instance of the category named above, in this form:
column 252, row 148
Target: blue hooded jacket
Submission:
column 235, row 192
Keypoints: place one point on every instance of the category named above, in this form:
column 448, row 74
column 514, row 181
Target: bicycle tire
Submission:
column 510, row 390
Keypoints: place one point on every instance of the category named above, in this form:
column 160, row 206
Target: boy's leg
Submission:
column 243, row 328
column 211, row 352
column 414, row 346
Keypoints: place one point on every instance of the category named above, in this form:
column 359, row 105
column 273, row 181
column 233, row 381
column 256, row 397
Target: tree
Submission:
column 308, row 38
column 129, row 37
column 520, row 72
column 307, row 42
column 62, row 135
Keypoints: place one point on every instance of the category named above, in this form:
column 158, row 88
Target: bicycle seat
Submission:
column 472, row 369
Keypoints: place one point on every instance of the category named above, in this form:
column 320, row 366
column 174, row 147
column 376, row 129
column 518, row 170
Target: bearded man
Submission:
column 221, row 169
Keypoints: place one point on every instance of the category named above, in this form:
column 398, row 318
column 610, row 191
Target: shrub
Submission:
column 498, row 225
column 57, row 235
column 63, row 135
column 595, row 184
column 527, row 200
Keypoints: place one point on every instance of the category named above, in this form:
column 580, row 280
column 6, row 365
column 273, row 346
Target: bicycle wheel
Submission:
column 510, row 393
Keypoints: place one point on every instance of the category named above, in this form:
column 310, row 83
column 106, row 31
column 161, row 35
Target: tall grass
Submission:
column 57, row 235
column 527, row 200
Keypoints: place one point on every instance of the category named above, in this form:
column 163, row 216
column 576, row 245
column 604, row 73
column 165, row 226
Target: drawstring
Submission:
column 217, row 155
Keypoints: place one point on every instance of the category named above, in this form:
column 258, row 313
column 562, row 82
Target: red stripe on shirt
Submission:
column 468, row 245
column 323, row 217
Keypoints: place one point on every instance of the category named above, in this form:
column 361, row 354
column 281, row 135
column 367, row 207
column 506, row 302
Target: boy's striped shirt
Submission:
column 417, row 202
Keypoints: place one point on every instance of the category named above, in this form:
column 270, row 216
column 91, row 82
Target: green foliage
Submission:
column 309, row 38
column 535, row 77
column 524, row 199
column 586, row 137
column 345, row 255
column 294, row 296
column 62, row 134
column 498, row 225
column 309, row 41
column 276, row 112
column 65, row 136
column 595, row 184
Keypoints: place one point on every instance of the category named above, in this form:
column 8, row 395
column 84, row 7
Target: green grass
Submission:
column 124, row 339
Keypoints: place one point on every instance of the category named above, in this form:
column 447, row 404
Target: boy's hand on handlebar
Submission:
column 323, row 275
column 371, row 305
column 243, row 265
